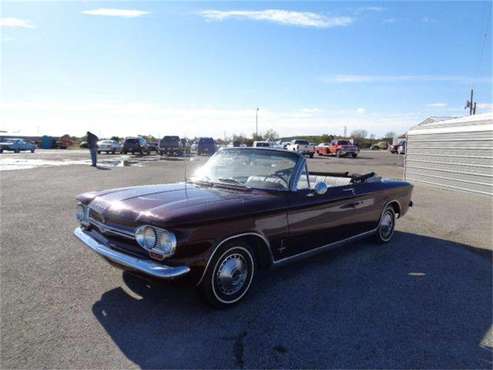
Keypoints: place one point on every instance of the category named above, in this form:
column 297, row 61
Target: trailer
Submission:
column 454, row 154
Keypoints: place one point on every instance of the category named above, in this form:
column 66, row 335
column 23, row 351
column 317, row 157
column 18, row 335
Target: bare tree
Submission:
column 271, row 135
column 390, row 135
column 359, row 134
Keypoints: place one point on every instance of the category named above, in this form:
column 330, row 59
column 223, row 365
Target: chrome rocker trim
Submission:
column 147, row 267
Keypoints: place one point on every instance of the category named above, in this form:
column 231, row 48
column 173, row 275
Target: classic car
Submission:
column 339, row 148
column 16, row 145
column 245, row 209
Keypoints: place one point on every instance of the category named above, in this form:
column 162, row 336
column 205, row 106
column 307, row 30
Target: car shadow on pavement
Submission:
column 417, row 302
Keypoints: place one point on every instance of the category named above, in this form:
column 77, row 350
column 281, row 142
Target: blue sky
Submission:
column 202, row 68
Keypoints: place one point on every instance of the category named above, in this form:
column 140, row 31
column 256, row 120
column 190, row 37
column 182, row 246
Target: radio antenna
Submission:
column 186, row 182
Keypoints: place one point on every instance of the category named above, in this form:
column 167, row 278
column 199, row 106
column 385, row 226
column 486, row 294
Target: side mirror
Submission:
column 320, row 188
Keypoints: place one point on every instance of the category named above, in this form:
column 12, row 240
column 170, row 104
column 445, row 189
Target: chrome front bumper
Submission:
column 146, row 267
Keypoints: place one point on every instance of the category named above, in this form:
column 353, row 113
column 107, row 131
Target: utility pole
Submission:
column 256, row 122
column 345, row 131
column 471, row 104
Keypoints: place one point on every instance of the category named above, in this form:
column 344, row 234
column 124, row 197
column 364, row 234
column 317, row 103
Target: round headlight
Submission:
column 146, row 237
column 166, row 242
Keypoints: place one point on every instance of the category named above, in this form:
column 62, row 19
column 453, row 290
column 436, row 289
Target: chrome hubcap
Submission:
column 232, row 274
column 387, row 225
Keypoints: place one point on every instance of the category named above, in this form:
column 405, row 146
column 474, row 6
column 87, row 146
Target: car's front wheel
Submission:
column 229, row 275
column 386, row 226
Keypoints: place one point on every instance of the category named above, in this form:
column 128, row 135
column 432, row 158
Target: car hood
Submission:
column 176, row 204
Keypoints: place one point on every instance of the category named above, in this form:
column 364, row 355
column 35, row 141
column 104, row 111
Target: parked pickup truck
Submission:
column 301, row 146
column 339, row 148
column 171, row 146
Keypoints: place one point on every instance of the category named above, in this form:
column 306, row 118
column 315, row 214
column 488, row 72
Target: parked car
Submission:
column 381, row 145
column 399, row 148
column 16, row 145
column 339, row 148
column 135, row 145
column 109, row 146
column 171, row 146
column 261, row 144
column 64, row 142
column 153, row 146
column 206, row 145
column 301, row 146
column 245, row 209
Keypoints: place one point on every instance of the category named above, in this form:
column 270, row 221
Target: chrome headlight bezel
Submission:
column 82, row 214
column 160, row 243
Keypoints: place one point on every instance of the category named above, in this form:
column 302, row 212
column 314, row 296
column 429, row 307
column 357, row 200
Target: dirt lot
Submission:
column 424, row 301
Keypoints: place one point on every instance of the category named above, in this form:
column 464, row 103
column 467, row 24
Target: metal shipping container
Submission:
column 455, row 154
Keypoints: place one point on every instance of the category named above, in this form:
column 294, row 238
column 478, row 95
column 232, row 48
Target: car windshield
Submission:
column 251, row 168
column 171, row 139
column 132, row 141
column 206, row 141
column 343, row 142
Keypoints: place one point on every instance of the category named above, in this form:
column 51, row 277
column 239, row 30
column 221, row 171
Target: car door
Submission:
column 318, row 220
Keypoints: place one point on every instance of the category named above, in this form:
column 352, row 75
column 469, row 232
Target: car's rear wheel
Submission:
column 387, row 225
column 229, row 275
column 32, row 150
column 354, row 155
column 17, row 151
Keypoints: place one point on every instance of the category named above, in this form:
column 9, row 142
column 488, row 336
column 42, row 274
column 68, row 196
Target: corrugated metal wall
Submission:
column 455, row 160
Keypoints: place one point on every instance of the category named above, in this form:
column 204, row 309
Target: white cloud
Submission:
column 361, row 110
column 285, row 17
column 111, row 12
column 437, row 105
column 401, row 78
column 15, row 23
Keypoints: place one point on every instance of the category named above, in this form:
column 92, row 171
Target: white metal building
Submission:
column 455, row 154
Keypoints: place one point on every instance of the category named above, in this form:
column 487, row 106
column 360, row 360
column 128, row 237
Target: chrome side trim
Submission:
column 151, row 268
column 317, row 250
column 230, row 238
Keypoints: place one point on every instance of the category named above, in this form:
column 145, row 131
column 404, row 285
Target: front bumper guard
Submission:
column 151, row 268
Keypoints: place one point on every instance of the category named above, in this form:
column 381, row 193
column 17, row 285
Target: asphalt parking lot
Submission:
column 423, row 301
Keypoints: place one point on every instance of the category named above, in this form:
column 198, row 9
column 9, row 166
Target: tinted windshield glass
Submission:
column 132, row 141
column 171, row 139
column 262, row 169
column 206, row 141
column 343, row 142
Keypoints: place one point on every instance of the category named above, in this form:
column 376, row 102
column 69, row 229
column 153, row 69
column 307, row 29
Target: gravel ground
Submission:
column 423, row 301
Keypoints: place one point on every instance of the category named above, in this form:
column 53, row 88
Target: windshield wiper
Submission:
column 230, row 180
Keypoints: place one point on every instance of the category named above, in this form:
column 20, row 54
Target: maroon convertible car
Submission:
column 244, row 210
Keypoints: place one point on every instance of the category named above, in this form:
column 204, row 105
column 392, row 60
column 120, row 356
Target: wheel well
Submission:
column 260, row 248
column 396, row 206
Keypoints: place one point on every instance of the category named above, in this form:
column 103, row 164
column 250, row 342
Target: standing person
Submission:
column 92, row 144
